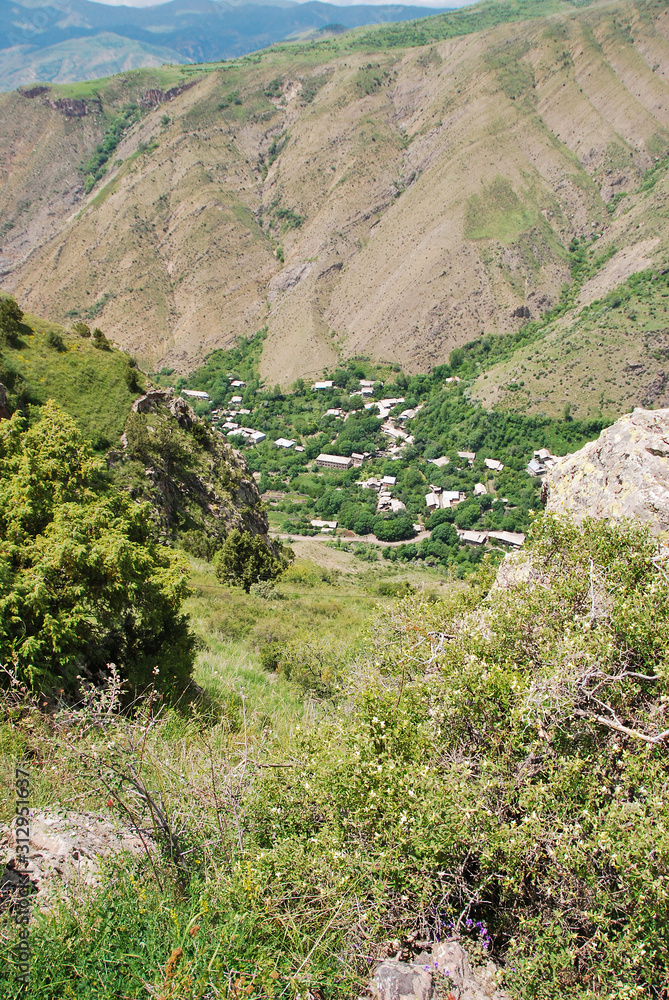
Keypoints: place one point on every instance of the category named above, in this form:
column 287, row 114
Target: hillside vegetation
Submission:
column 392, row 193
column 462, row 773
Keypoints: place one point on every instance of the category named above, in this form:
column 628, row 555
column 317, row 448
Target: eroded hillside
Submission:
column 389, row 202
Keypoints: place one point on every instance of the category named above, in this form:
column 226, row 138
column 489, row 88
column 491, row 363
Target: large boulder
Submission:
column 623, row 474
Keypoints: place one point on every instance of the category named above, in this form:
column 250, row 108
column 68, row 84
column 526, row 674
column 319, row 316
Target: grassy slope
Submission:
column 601, row 361
column 90, row 384
column 457, row 779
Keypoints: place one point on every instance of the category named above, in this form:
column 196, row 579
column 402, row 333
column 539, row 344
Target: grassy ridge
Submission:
column 96, row 387
column 405, row 34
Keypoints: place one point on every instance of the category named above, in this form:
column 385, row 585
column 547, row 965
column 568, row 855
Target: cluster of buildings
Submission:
column 440, row 499
column 541, row 463
column 385, row 502
column 253, row 437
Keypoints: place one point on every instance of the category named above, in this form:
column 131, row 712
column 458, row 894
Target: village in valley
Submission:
column 358, row 458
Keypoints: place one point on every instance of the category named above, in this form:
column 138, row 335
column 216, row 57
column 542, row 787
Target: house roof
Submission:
column 195, row 393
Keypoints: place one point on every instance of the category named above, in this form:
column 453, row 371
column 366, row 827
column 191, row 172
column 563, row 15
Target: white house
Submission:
column 480, row 490
column 322, row 385
column 492, row 463
column 515, row 538
column 469, row 456
column 284, row 443
column 195, row 394
column 444, row 460
column 473, row 537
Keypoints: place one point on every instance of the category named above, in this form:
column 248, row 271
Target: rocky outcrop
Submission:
column 150, row 400
column 184, row 414
column 71, row 107
column 443, row 972
column 66, row 851
column 623, row 474
column 193, row 478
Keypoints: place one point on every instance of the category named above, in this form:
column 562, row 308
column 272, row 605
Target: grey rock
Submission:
column 446, row 972
column 146, row 403
column 66, row 851
column 623, row 474
column 451, row 960
column 183, row 413
column 401, row 981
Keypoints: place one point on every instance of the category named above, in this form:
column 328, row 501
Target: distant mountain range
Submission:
column 71, row 40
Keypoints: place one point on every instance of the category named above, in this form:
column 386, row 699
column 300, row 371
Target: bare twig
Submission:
column 619, row 728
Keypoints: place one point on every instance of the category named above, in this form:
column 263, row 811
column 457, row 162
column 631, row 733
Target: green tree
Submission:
column 81, row 329
column 468, row 514
column 445, row 533
column 11, row 317
column 55, row 340
column 244, row 559
column 99, row 340
column 83, row 581
column 395, row 528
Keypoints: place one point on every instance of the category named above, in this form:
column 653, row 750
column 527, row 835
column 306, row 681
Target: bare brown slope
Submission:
column 436, row 189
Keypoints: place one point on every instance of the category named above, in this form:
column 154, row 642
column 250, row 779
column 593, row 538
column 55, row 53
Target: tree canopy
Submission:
column 245, row 559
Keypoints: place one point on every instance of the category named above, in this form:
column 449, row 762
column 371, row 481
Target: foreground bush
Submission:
column 505, row 762
column 500, row 759
column 83, row 582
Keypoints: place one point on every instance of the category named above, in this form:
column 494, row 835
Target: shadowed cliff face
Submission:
column 392, row 203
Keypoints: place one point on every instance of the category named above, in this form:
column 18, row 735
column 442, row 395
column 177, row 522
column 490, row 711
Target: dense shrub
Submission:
column 83, row 582
column 55, row 340
column 395, row 528
column 512, row 777
column 11, row 317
